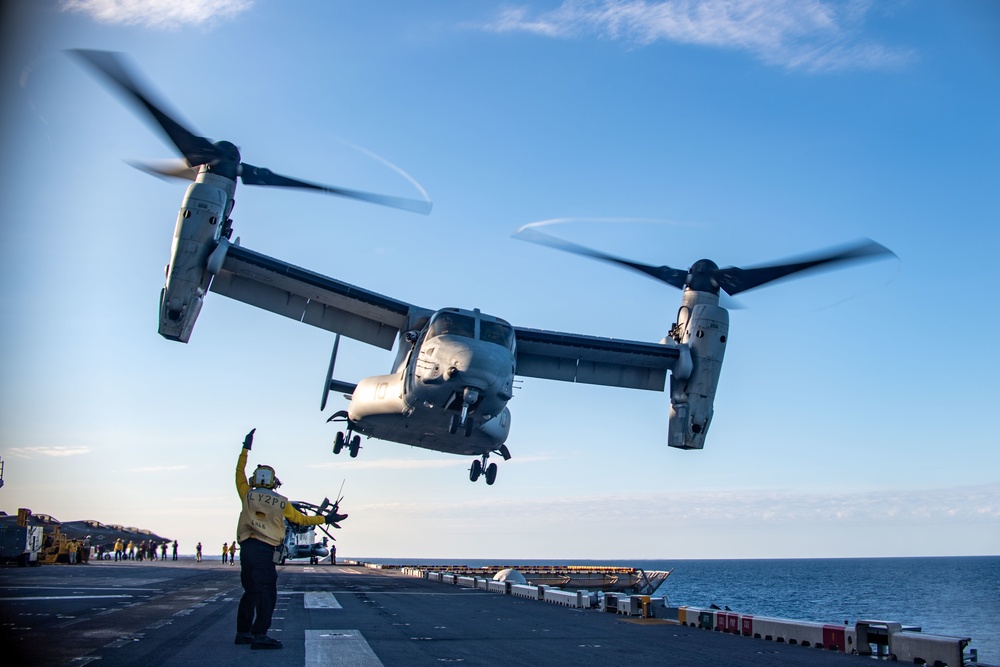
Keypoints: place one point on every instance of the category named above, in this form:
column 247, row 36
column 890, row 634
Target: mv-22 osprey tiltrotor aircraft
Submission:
column 454, row 368
column 300, row 541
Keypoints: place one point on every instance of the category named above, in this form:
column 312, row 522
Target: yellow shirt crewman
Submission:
column 260, row 530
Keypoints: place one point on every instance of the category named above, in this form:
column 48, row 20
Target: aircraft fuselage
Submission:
column 450, row 390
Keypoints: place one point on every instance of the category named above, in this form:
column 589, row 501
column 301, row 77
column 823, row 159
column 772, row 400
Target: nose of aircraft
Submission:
column 472, row 368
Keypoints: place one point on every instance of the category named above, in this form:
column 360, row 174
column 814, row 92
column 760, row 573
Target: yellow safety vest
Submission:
column 264, row 511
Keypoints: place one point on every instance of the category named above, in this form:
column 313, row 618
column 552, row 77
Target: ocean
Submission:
column 957, row 596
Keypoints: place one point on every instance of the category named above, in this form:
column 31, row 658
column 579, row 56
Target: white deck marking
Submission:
column 64, row 597
column 339, row 647
column 79, row 588
column 321, row 600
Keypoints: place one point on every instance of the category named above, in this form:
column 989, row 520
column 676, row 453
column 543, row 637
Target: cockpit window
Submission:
column 496, row 332
column 452, row 323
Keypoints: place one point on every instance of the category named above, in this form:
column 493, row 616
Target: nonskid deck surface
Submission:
column 183, row 613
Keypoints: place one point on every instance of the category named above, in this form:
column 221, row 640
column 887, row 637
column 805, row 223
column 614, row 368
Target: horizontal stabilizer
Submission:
column 343, row 387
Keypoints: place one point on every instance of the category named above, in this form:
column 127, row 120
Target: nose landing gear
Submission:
column 470, row 396
column 479, row 467
column 466, row 422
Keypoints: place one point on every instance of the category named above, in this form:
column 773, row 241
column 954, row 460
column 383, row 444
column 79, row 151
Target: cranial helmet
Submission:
column 264, row 476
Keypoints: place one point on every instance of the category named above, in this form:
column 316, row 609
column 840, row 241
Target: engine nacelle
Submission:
column 196, row 236
column 704, row 327
column 178, row 324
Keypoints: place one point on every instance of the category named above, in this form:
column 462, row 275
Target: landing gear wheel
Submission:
column 453, row 425
column 355, row 446
column 338, row 442
column 491, row 473
column 475, row 471
column 470, row 424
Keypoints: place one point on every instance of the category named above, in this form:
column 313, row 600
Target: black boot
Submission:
column 243, row 638
column 264, row 642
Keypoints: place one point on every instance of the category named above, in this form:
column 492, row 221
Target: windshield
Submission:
column 452, row 323
column 496, row 332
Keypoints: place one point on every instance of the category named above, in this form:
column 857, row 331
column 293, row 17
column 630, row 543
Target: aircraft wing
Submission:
column 591, row 360
column 312, row 298
column 375, row 319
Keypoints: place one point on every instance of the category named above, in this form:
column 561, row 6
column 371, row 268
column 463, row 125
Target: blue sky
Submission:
column 856, row 414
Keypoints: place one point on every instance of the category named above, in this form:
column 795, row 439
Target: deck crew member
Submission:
column 260, row 530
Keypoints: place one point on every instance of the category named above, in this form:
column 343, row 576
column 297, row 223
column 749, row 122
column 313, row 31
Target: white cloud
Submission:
column 157, row 468
column 33, row 452
column 973, row 503
column 747, row 523
column 158, row 13
column 809, row 35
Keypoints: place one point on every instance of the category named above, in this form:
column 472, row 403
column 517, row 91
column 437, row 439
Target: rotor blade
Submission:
column 252, row 175
column 735, row 280
column 166, row 168
column 674, row 277
column 196, row 150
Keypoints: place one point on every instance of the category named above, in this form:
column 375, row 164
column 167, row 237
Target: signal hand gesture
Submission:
column 332, row 519
column 248, row 441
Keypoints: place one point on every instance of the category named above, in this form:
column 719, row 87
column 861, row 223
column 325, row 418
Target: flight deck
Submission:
column 184, row 613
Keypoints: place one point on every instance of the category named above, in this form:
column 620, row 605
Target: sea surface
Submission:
column 956, row 596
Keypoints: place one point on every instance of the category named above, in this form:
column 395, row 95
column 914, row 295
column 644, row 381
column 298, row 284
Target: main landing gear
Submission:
column 480, row 467
column 353, row 444
column 349, row 439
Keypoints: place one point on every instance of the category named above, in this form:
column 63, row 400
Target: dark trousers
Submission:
column 260, row 587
